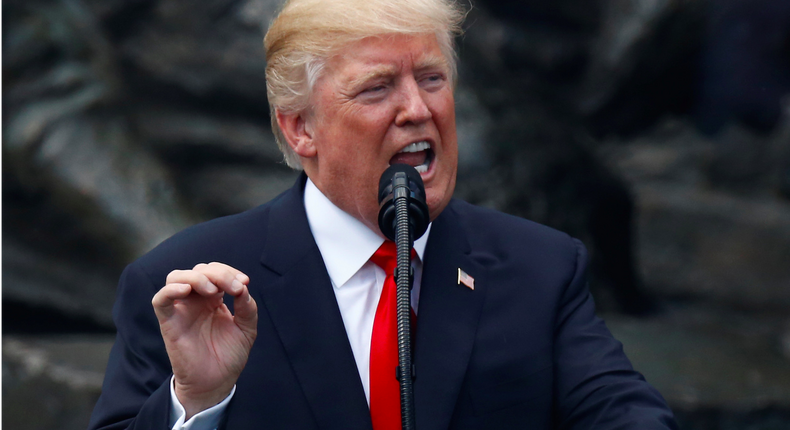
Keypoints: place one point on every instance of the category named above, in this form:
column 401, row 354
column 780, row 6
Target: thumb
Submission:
column 246, row 313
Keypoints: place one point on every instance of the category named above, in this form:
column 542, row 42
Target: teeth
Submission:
column 416, row 147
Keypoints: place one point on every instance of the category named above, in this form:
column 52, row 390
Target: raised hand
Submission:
column 207, row 345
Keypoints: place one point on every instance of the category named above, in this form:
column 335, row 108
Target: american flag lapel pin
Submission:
column 464, row 278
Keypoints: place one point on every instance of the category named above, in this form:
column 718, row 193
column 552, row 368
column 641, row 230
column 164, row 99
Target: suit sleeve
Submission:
column 596, row 386
column 136, row 389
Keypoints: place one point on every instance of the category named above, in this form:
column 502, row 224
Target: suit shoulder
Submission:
column 213, row 240
column 506, row 234
column 495, row 222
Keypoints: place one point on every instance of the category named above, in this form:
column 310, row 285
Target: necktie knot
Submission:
column 386, row 256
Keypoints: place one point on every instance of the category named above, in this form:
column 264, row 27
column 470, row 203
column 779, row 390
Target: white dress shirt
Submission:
column 346, row 245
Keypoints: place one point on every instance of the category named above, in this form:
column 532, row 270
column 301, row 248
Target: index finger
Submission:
column 225, row 277
column 241, row 276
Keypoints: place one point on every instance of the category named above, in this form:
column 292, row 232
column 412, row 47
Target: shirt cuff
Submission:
column 205, row 420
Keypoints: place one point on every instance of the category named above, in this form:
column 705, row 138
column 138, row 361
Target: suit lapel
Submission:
column 297, row 294
column 446, row 323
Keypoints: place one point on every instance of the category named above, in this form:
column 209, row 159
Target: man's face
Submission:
column 377, row 98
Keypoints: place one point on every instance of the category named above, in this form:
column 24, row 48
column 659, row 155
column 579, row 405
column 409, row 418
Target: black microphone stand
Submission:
column 404, row 279
column 402, row 216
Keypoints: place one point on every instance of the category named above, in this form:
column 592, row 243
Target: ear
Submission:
column 298, row 131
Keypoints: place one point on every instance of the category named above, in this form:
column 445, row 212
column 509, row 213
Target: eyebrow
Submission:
column 431, row 62
column 381, row 71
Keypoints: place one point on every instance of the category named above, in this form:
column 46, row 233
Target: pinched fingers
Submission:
column 227, row 278
column 198, row 282
column 211, row 278
column 207, row 280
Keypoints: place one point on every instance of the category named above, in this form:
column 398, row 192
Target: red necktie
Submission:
column 384, row 387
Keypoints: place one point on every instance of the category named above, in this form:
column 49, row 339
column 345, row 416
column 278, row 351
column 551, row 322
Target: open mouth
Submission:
column 418, row 155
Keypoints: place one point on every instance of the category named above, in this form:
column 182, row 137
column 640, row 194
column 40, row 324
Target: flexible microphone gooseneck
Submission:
column 403, row 217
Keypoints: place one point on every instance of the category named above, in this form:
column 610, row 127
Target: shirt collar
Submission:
column 346, row 244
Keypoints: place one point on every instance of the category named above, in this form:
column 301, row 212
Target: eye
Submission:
column 375, row 89
column 433, row 81
column 373, row 93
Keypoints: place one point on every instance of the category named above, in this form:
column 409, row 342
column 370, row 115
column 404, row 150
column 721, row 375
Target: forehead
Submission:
column 387, row 54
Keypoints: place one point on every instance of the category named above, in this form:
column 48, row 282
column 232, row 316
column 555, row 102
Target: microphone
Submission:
column 397, row 182
column 403, row 216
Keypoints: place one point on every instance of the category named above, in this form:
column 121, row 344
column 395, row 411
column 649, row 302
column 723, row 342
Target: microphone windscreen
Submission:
column 415, row 181
column 407, row 177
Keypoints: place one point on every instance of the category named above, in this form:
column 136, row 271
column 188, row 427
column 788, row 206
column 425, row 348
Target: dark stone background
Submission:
column 657, row 131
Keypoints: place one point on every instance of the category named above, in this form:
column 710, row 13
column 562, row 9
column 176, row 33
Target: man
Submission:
column 355, row 86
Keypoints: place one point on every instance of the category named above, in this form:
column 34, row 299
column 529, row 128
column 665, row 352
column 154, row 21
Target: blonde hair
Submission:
column 308, row 32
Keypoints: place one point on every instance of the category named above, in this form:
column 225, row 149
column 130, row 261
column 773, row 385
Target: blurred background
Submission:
column 657, row 131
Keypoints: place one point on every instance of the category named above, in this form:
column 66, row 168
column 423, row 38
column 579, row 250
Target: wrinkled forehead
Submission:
column 387, row 56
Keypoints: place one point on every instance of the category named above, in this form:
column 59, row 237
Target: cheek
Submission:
column 364, row 128
column 444, row 116
column 448, row 118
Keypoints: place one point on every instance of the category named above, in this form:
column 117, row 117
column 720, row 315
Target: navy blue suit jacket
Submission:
column 524, row 349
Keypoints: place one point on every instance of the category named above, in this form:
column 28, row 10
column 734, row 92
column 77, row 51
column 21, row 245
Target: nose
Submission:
column 413, row 107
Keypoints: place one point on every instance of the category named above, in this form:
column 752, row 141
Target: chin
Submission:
column 436, row 205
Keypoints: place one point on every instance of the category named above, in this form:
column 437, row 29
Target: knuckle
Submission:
column 201, row 280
